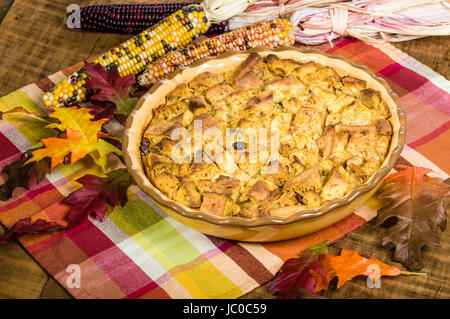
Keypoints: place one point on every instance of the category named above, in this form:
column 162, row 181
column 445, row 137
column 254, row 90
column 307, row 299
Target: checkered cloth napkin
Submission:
column 140, row 252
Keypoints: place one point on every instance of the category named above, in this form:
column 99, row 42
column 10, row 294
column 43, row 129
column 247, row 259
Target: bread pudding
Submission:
column 269, row 138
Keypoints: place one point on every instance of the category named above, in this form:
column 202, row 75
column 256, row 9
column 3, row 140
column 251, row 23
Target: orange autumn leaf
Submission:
column 349, row 265
column 58, row 148
column 81, row 138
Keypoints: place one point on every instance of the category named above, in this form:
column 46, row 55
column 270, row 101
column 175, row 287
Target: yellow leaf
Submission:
column 78, row 119
column 81, row 139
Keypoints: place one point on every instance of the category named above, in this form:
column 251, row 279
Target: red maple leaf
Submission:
column 111, row 87
column 25, row 226
column 95, row 195
column 296, row 273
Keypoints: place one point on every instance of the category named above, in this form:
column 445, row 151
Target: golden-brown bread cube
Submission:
column 217, row 94
column 261, row 190
column 168, row 112
column 333, row 119
column 181, row 92
column 370, row 98
column 310, row 121
column 285, row 88
column 308, row 180
column 222, row 114
column 195, row 198
column 353, row 85
column 384, row 127
column 326, row 165
column 328, row 74
column 338, row 185
column 254, row 63
column 342, row 101
column 358, row 114
column 310, row 199
column 278, row 122
column 261, row 103
column 282, row 67
column 250, row 210
column 363, row 129
column 206, row 121
column 324, row 97
column 325, row 143
column 292, row 104
column 373, row 147
column 249, row 163
column 199, row 105
column 275, row 172
column 216, row 204
column 155, row 133
column 158, row 164
column 306, row 72
column 288, row 198
column 224, row 185
column 237, row 100
column 206, row 80
column 167, row 183
column 355, row 160
column 383, row 110
column 307, row 157
column 199, row 171
column 340, row 154
column 249, row 81
column 356, row 172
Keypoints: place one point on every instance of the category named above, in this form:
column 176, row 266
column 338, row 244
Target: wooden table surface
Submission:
column 34, row 42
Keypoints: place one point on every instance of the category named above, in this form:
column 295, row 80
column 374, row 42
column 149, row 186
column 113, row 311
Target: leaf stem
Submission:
column 409, row 273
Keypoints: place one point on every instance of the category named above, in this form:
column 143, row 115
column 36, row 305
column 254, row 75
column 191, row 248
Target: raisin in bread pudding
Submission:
column 270, row 138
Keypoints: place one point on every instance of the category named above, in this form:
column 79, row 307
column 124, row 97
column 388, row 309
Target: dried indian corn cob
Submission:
column 134, row 18
column 126, row 18
column 132, row 56
column 273, row 33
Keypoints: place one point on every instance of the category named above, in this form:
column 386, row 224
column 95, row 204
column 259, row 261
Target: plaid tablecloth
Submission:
column 140, row 252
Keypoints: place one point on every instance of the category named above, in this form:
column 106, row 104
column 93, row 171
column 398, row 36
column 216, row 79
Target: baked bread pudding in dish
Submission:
column 269, row 138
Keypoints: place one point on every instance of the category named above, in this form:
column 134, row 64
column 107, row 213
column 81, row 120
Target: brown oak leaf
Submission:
column 417, row 202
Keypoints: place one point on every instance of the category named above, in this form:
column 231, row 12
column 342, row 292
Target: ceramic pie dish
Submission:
column 265, row 228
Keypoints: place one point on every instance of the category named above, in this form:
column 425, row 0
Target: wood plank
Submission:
column 20, row 275
column 4, row 8
column 431, row 51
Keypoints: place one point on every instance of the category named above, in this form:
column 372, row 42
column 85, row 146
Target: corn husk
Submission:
column 221, row 10
column 320, row 21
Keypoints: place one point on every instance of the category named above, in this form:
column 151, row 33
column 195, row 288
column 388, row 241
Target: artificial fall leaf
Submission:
column 25, row 226
column 417, row 202
column 102, row 110
column 81, row 139
column 347, row 266
column 19, row 174
column 110, row 86
column 95, row 195
column 296, row 273
column 37, row 124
